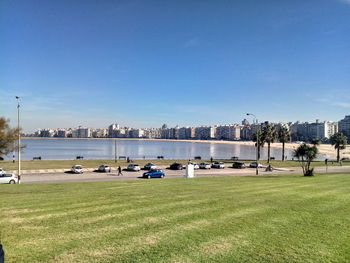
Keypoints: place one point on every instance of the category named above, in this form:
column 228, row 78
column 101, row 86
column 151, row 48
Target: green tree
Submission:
column 284, row 135
column 269, row 135
column 259, row 134
column 338, row 140
column 8, row 137
column 306, row 154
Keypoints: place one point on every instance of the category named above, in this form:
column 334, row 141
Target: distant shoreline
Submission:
column 326, row 149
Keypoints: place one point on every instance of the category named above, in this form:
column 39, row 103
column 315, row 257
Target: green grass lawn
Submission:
column 94, row 163
column 226, row 219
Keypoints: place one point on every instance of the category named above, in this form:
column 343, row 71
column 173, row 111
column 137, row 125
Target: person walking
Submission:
column 120, row 171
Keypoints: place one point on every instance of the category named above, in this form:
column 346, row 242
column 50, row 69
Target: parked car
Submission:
column 176, row 166
column 150, row 166
column 255, row 164
column 7, row 178
column 104, row 168
column 195, row 165
column 77, row 169
column 204, row 166
column 2, row 171
column 238, row 165
column 219, row 165
column 154, row 173
column 133, row 167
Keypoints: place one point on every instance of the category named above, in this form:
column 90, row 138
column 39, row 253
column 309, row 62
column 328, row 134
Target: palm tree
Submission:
column 284, row 136
column 269, row 134
column 306, row 154
column 259, row 134
column 338, row 140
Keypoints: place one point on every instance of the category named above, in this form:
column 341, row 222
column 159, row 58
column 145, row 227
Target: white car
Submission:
column 9, row 178
column 150, row 166
column 2, row 171
column 204, row 166
column 133, row 167
column 104, row 168
column 195, row 165
column 77, row 169
column 219, row 165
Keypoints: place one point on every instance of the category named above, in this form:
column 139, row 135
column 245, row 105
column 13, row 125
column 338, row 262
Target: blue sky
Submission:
column 199, row 62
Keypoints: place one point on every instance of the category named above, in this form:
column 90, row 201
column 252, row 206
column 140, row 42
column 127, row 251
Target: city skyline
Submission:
column 188, row 63
column 305, row 131
column 251, row 121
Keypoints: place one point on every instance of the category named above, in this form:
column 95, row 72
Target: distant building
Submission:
column 81, row 133
column 136, row 133
column 205, row 132
column 246, row 133
column 61, row 133
column 344, row 127
column 186, row 133
column 99, row 133
column 45, row 133
column 152, row 133
column 245, row 122
column 228, row 132
column 308, row 131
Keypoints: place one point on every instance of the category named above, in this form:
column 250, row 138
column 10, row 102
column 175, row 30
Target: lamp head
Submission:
column 17, row 97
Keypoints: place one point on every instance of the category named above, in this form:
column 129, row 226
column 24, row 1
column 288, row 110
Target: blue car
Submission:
column 154, row 173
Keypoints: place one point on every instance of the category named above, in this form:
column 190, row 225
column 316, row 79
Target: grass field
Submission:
column 94, row 163
column 226, row 219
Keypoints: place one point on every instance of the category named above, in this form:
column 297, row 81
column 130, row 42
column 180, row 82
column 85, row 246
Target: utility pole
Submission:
column 19, row 139
column 115, row 150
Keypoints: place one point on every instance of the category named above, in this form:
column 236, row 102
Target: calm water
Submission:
column 60, row 149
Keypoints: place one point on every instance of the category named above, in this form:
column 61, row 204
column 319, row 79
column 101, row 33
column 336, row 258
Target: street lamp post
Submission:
column 19, row 139
column 257, row 144
column 115, row 150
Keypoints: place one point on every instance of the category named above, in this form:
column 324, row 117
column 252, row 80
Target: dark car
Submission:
column 176, row 166
column 238, row 165
column 154, row 173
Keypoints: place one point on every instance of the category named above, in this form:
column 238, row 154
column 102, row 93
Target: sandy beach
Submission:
column 326, row 149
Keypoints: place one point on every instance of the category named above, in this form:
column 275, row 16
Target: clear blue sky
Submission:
column 199, row 62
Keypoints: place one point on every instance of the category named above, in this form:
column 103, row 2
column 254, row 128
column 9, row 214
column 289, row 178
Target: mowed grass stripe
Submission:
column 273, row 215
column 154, row 234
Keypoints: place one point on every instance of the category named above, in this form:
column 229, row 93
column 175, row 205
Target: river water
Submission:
column 63, row 149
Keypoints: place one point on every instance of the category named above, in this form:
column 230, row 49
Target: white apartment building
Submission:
column 81, row 133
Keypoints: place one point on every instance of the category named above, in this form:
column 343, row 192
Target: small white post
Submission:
column 189, row 173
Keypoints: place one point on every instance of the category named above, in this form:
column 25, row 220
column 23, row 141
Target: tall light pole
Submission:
column 257, row 144
column 115, row 150
column 19, row 138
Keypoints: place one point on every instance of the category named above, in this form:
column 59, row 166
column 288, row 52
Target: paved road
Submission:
column 90, row 176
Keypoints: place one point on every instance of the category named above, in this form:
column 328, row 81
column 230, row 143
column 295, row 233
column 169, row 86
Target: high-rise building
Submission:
column 205, row 132
column 344, row 127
